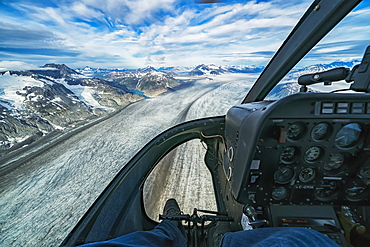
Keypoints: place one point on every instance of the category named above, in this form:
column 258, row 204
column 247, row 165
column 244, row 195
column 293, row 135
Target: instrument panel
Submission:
column 305, row 161
column 301, row 154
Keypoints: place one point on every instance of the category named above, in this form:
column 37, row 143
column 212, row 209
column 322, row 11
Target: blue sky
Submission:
column 136, row 33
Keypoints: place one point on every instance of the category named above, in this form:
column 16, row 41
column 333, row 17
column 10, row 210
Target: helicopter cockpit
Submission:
column 301, row 161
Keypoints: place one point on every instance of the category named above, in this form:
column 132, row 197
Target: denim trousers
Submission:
column 167, row 234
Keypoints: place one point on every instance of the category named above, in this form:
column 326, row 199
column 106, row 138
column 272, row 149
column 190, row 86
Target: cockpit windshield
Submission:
column 344, row 46
column 85, row 85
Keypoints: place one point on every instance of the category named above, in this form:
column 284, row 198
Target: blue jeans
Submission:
column 168, row 234
column 164, row 234
column 277, row 237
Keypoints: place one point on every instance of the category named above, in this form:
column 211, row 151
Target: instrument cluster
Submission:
column 310, row 161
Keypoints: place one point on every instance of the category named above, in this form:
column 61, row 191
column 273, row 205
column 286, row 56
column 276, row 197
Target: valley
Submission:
column 42, row 200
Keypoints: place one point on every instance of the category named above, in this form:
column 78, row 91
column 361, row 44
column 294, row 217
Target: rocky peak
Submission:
column 147, row 69
column 154, row 83
column 56, row 71
column 203, row 69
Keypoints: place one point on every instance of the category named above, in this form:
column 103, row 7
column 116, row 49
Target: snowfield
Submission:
column 10, row 85
column 43, row 200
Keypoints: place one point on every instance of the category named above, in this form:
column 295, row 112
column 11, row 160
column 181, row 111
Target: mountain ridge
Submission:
column 36, row 102
column 204, row 69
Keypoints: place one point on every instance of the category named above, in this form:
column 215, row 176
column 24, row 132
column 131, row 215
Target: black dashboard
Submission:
column 305, row 149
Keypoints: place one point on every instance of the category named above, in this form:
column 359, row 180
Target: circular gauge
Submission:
column 289, row 154
column 307, row 174
column 313, row 154
column 348, row 135
column 280, row 193
column 296, row 130
column 356, row 192
column 335, row 162
column 320, row 131
column 365, row 170
column 326, row 190
column 284, row 175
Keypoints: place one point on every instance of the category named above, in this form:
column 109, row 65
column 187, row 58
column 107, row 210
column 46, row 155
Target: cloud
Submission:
column 16, row 65
column 127, row 32
column 40, row 51
column 132, row 12
column 14, row 35
column 82, row 11
column 231, row 31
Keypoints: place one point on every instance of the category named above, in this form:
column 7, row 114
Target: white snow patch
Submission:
column 57, row 99
column 10, row 84
column 15, row 140
column 88, row 98
column 214, row 67
column 157, row 73
column 57, row 127
column 84, row 93
column 77, row 76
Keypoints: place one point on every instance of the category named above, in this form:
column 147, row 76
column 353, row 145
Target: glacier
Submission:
column 43, row 199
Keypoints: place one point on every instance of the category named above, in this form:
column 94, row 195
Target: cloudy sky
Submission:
column 136, row 33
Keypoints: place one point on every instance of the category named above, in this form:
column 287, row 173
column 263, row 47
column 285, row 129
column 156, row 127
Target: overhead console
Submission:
column 305, row 149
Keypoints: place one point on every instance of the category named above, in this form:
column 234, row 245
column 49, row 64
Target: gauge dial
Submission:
column 280, row 193
column 320, row 131
column 289, row 154
column 284, row 175
column 365, row 170
column 356, row 192
column 335, row 162
column 307, row 174
column 327, row 190
column 296, row 130
column 348, row 135
column 313, row 154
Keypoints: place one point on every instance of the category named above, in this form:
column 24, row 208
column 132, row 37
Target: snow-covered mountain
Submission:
column 36, row 102
column 114, row 73
column 147, row 80
column 203, row 70
column 207, row 70
column 176, row 71
column 289, row 84
column 244, row 69
column 53, row 97
column 146, row 69
column 154, row 83
column 321, row 67
column 98, row 72
column 199, row 70
column 295, row 74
